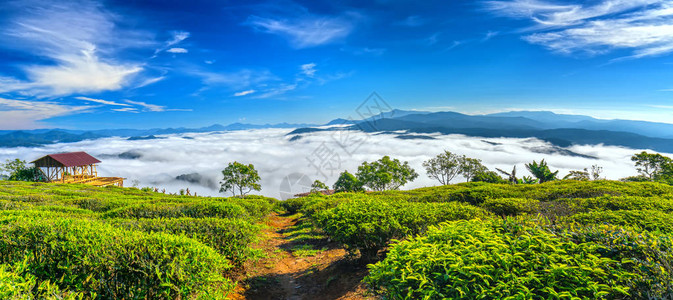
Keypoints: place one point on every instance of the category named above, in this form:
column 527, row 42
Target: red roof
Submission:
column 74, row 159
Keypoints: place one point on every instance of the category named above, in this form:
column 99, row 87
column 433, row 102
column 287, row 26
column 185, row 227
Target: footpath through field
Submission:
column 300, row 264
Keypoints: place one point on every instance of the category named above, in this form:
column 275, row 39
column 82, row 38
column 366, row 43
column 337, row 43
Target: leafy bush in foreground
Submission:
column 230, row 237
column 16, row 283
column 510, row 206
column 521, row 259
column 191, row 210
column 93, row 257
column 644, row 219
column 369, row 224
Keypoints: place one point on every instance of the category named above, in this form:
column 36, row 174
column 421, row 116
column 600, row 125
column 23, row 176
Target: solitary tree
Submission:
column 318, row 186
column 239, row 178
column 385, row 174
column 347, row 182
column 653, row 165
column 444, row 167
column 470, row 166
column 541, row 171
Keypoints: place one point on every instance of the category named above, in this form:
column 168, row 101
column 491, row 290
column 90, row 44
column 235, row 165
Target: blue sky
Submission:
column 143, row 64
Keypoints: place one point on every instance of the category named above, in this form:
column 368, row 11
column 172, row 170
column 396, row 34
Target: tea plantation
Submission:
column 80, row 242
column 558, row 240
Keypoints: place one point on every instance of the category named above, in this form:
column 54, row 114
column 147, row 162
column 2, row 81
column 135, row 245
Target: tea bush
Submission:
column 520, row 259
column 170, row 210
column 369, row 224
column 651, row 220
column 97, row 258
column 230, row 237
column 511, row 206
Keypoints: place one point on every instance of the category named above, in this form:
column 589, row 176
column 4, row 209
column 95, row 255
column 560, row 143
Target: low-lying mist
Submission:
column 195, row 160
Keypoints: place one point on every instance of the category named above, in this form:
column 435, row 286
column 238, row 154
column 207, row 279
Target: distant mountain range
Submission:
column 559, row 129
column 39, row 137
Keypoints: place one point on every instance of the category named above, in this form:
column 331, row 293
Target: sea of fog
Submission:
column 287, row 167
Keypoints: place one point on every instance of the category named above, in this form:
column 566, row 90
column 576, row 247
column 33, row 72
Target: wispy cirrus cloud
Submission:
column 22, row 114
column 177, row 50
column 306, row 30
column 153, row 107
column 77, row 42
column 101, row 101
column 243, row 93
column 643, row 26
column 309, row 69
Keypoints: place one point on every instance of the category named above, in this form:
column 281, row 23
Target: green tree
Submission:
column 653, row 165
column 470, row 166
column 385, row 174
column 18, row 171
column 444, row 167
column 347, row 182
column 541, row 171
column 488, row 176
column 318, row 186
column 239, row 178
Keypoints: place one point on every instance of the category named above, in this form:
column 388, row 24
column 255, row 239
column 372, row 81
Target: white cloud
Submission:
column 101, row 101
column 177, row 50
column 126, row 109
column 176, row 38
column 154, row 107
column 149, row 81
column 236, row 80
column 23, row 114
column 243, row 93
column 643, row 26
column 308, row 69
column 79, row 40
column 275, row 157
column 305, row 31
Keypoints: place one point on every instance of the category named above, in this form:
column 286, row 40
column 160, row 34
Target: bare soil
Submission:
column 326, row 274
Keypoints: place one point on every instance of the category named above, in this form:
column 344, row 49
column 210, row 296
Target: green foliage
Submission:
column 541, row 171
column 347, row 182
column 230, row 237
column 369, row 224
column 205, row 209
column 511, row 206
column 518, row 259
column 469, row 167
column 239, row 178
column 318, row 185
column 103, row 260
column 385, row 174
column 653, row 165
column 578, row 175
column 444, row 167
column 643, row 219
column 18, row 171
column 488, row 176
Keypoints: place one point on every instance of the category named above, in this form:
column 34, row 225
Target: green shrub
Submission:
column 96, row 258
column 644, row 219
column 497, row 259
column 170, row 210
column 17, row 283
column 369, row 224
column 511, row 206
column 230, row 237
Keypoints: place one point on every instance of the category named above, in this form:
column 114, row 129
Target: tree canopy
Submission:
column 444, row 167
column 385, row 174
column 240, row 179
column 347, row 182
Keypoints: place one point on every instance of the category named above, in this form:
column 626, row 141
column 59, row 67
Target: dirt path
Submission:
column 300, row 264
